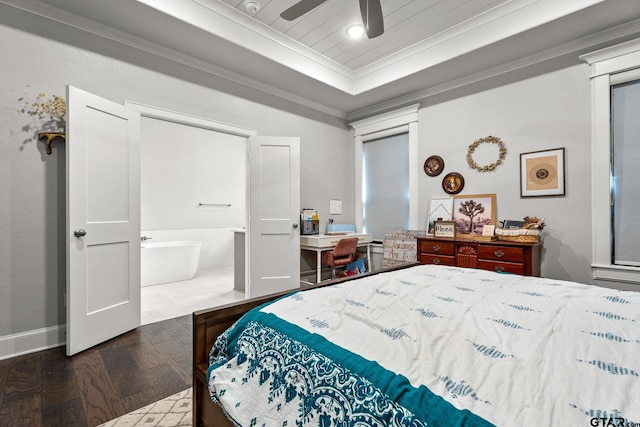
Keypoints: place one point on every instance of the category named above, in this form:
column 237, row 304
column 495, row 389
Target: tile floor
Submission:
column 209, row 288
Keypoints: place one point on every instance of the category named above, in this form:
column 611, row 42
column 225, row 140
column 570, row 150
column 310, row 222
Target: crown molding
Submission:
column 38, row 8
column 221, row 21
column 351, row 85
column 573, row 47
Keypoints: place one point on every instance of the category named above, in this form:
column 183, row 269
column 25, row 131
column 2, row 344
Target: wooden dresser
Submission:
column 500, row 256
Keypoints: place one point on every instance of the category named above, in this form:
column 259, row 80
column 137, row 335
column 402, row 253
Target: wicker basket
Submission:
column 520, row 235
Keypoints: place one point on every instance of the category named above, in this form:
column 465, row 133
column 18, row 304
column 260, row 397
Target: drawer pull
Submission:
column 436, row 248
column 499, row 268
column 499, row 253
column 436, row 261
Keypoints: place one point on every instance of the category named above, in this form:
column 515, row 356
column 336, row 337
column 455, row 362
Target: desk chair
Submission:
column 343, row 254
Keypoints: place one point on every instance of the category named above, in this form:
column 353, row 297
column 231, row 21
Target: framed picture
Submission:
column 542, row 173
column 444, row 229
column 433, row 166
column 471, row 212
column 488, row 230
column 440, row 209
column 453, row 183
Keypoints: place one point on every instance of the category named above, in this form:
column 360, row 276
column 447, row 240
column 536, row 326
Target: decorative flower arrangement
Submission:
column 53, row 108
column 533, row 223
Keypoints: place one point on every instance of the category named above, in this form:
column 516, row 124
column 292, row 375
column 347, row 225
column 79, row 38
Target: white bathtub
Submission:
column 163, row 262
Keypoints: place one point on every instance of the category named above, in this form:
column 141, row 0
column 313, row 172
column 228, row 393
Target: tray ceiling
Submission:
column 406, row 23
column 429, row 46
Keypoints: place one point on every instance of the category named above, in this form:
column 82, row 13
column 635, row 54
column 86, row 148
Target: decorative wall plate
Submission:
column 433, row 166
column 453, row 183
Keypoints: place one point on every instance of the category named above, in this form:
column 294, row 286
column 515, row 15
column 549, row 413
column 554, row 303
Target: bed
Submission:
column 426, row 345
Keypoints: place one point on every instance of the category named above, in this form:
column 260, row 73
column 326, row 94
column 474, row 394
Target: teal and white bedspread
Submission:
column 434, row 346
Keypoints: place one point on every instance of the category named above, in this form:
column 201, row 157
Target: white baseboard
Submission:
column 32, row 341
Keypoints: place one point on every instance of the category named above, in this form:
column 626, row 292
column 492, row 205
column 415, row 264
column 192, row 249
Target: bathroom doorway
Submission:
column 193, row 190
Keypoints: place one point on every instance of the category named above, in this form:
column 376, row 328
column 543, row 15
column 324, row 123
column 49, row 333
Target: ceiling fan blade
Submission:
column 371, row 12
column 300, row 8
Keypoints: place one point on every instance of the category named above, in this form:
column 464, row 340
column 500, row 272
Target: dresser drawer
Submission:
column 437, row 259
column 501, row 253
column 438, row 247
column 501, row 267
column 507, row 257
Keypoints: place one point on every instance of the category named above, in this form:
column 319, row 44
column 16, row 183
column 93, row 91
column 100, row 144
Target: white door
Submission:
column 274, row 215
column 103, row 220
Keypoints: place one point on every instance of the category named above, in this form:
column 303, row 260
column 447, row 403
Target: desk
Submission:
column 326, row 242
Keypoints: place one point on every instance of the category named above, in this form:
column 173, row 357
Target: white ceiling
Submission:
column 406, row 23
column 429, row 46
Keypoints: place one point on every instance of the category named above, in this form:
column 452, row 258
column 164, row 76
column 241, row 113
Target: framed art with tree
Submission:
column 471, row 212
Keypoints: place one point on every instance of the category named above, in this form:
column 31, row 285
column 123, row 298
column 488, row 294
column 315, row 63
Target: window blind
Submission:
column 625, row 110
column 386, row 184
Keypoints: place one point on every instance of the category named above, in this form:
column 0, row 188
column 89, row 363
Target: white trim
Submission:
column 186, row 119
column 613, row 59
column 389, row 120
column 108, row 33
column 616, row 273
column 624, row 77
column 225, row 23
column 388, row 124
column 32, row 341
column 385, row 133
column 563, row 49
column 607, row 66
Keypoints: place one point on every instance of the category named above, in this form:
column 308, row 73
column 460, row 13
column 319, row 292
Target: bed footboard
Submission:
column 207, row 326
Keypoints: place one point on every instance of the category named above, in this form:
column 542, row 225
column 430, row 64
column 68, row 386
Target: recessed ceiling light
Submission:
column 355, row 31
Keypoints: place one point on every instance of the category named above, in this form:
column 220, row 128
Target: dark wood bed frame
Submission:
column 208, row 325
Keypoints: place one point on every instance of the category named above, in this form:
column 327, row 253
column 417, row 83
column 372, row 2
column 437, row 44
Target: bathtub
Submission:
column 163, row 262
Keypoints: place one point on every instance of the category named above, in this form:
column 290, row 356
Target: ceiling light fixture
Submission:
column 252, row 6
column 355, row 31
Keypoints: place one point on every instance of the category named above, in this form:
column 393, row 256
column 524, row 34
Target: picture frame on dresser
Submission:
column 440, row 209
column 444, row 229
column 471, row 212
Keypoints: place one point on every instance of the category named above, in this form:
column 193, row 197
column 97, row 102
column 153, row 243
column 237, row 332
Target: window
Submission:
column 625, row 173
column 615, row 151
column 385, row 197
column 381, row 127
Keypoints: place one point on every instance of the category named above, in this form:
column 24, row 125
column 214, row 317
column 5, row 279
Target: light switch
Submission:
column 335, row 207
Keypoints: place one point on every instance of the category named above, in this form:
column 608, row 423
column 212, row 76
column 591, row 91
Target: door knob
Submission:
column 79, row 233
column 295, row 225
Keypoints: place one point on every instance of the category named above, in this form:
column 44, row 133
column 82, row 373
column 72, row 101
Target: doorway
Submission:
column 103, row 213
column 193, row 192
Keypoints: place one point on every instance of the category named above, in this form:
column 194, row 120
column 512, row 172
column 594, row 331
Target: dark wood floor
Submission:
column 50, row 389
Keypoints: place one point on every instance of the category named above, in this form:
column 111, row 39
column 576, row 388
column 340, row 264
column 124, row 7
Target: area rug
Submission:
column 173, row 411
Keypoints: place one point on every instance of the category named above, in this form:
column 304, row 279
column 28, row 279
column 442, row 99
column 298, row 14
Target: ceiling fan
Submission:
column 370, row 10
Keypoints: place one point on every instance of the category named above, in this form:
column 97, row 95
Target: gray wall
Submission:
column 41, row 57
column 545, row 111
column 182, row 166
column 530, row 110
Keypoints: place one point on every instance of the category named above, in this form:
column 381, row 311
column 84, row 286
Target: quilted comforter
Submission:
column 434, row 346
